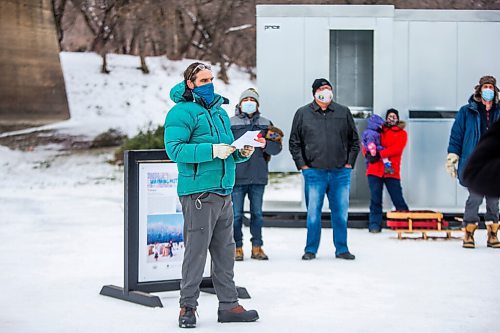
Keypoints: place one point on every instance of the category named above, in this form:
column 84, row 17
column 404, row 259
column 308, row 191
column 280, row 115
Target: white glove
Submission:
column 222, row 150
column 451, row 164
column 247, row 151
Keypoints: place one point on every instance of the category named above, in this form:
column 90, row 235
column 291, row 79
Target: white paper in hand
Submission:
column 247, row 139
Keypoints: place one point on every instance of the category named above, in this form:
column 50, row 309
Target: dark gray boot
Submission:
column 187, row 317
column 237, row 314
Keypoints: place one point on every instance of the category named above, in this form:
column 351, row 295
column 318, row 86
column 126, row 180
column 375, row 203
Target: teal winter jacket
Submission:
column 190, row 130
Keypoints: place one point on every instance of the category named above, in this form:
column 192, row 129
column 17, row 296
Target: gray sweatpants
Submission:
column 208, row 225
column 472, row 208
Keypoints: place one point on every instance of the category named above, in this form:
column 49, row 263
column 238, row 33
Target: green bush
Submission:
column 146, row 139
column 111, row 138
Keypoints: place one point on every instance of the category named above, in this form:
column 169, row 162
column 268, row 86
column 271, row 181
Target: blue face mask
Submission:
column 206, row 92
column 248, row 107
column 487, row 95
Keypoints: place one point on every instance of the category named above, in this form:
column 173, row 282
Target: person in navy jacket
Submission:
column 252, row 175
column 471, row 122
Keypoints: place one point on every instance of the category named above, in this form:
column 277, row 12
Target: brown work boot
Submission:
column 237, row 314
column 492, row 235
column 469, row 236
column 258, row 253
column 238, row 254
column 187, row 317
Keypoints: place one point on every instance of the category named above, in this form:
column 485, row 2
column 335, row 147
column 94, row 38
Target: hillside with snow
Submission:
column 126, row 99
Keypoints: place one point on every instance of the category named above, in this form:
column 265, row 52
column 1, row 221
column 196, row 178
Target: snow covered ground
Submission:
column 61, row 240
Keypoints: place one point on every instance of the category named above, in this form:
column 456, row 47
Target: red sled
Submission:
column 417, row 224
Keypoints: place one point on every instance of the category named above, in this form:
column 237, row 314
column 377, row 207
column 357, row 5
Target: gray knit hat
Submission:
column 250, row 92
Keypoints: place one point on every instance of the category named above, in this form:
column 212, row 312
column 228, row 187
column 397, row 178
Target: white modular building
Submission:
column 425, row 63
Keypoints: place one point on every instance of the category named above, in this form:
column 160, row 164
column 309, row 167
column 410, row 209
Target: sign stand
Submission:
column 133, row 290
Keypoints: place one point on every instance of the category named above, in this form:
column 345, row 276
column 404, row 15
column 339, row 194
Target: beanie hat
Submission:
column 319, row 83
column 250, row 92
column 396, row 112
column 484, row 80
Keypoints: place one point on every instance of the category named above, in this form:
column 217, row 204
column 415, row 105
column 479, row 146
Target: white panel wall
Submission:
column 400, row 94
column 317, row 53
column 383, row 66
column 427, row 184
column 400, row 70
column 432, row 65
column 476, row 56
column 280, row 75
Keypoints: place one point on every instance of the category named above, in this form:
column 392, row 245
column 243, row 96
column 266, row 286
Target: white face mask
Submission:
column 249, row 107
column 324, row 96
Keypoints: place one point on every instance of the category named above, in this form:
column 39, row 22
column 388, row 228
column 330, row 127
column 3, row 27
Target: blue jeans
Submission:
column 255, row 195
column 335, row 183
column 376, row 185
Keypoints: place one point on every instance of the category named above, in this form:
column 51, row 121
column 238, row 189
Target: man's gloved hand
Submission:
column 451, row 164
column 247, row 151
column 372, row 159
column 262, row 141
column 274, row 134
column 222, row 150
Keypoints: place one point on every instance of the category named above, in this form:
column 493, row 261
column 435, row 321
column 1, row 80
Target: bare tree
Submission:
column 215, row 33
column 202, row 29
column 222, row 32
column 101, row 16
column 138, row 28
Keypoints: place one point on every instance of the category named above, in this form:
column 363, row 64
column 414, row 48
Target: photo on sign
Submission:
column 165, row 241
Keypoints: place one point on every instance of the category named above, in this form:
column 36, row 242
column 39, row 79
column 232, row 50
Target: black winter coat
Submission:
column 324, row 139
column 482, row 171
column 255, row 170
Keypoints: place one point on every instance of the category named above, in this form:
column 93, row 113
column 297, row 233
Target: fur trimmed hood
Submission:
column 400, row 126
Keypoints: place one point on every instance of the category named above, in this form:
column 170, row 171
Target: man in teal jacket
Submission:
column 198, row 137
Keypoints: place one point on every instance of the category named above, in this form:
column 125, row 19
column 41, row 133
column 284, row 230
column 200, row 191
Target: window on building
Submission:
column 351, row 68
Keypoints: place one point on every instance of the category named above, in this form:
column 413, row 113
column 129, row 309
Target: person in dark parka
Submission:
column 472, row 121
column 482, row 173
column 252, row 175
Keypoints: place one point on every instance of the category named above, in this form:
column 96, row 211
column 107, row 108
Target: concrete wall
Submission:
column 32, row 90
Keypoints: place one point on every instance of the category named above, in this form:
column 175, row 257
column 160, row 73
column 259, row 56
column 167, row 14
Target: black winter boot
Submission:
column 187, row 317
column 309, row 256
column 237, row 314
column 346, row 256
